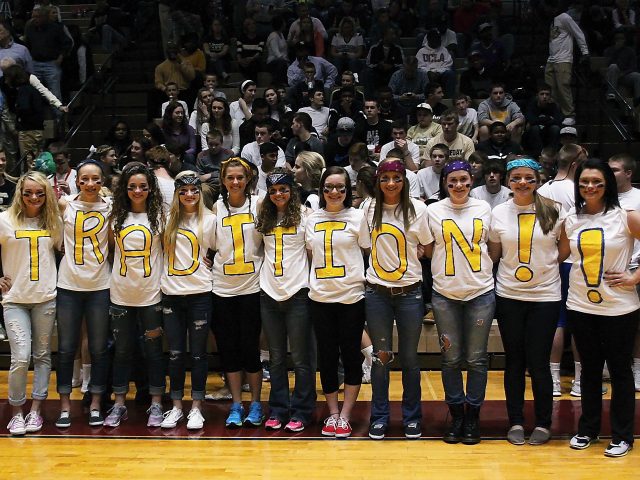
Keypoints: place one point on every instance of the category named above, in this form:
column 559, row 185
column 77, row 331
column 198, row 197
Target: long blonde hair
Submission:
column 176, row 215
column 49, row 217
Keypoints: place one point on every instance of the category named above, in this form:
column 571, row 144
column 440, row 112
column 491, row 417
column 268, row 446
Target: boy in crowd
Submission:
column 467, row 118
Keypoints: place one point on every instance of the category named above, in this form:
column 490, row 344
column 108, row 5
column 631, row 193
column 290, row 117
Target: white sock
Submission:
column 578, row 371
column 555, row 371
column 77, row 370
column 368, row 354
column 86, row 373
column 264, row 356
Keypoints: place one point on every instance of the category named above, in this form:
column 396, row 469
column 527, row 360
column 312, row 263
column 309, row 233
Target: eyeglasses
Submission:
column 276, row 191
column 328, row 188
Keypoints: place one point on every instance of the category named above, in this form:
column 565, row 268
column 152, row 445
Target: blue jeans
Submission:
column 463, row 329
column 407, row 310
column 50, row 75
column 29, row 328
column 72, row 307
column 182, row 314
column 290, row 320
column 124, row 325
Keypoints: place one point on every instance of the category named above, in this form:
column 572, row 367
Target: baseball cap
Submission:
column 424, row 106
column 345, row 125
column 569, row 131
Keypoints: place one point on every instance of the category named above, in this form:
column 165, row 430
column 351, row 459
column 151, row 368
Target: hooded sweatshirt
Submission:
column 506, row 112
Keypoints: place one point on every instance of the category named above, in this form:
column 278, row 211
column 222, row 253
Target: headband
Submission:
column 524, row 162
column 187, row 180
column 391, row 166
column 456, row 166
column 242, row 162
column 244, row 85
column 89, row 161
column 279, row 179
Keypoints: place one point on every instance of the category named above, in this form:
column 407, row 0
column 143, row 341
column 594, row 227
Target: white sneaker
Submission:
column 366, row 372
column 636, row 378
column 576, row 391
column 569, row 121
column 195, row 419
column 606, row 376
column 557, row 389
column 17, row 426
column 619, row 449
column 171, row 418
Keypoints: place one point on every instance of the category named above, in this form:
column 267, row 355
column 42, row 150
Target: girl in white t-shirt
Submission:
column 523, row 238
column 186, row 294
column 284, row 303
column 463, row 299
column 603, row 304
column 236, row 288
column 83, row 287
column 335, row 237
column 399, row 228
column 30, row 230
column 136, row 220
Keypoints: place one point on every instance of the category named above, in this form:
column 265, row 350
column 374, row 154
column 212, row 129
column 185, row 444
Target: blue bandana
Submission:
column 524, row 162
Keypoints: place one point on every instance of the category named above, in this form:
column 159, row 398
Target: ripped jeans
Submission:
column 463, row 329
column 190, row 313
column 29, row 327
column 124, row 326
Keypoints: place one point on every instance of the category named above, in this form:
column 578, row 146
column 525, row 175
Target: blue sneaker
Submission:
column 234, row 420
column 255, row 416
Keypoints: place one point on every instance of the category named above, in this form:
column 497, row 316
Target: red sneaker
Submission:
column 272, row 424
column 294, row 426
column 343, row 429
column 329, row 427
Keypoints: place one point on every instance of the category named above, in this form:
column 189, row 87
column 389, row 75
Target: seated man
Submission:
column 209, row 161
column 301, row 129
column 498, row 146
column 476, row 81
column 326, row 72
column 436, row 61
column 425, row 130
column 319, row 113
column 544, row 120
column 410, row 151
column 499, row 107
column 372, row 130
column 460, row 146
column 434, row 96
column 251, row 151
column 384, row 58
column 336, row 151
column 622, row 67
column 492, row 192
column 409, row 84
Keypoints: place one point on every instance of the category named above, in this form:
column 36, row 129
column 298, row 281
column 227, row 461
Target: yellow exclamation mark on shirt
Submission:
column 591, row 248
column 526, row 222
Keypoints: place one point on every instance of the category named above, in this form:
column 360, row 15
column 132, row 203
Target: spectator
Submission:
column 16, row 51
column 177, row 131
column 498, row 146
column 543, row 121
column 220, row 119
column 194, row 55
column 465, row 18
column 78, row 66
column 209, row 161
column 347, row 47
column 260, row 114
column 158, row 159
column 389, row 108
column 598, row 28
column 499, row 107
column 410, row 151
column 557, row 73
column 319, row 113
column 277, row 51
column 568, row 136
column 48, row 45
column 110, row 24
column 119, row 136
column 467, row 118
column 346, row 105
column 154, row 134
column 460, row 146
column 135, row 153
column 264, row 12
column 549, row 160
column 251, row 151
column 347, row 79
column 622, row 67
column 277, row 107
column 381, row 25
column 372, row 130
column 173, row 69
column 63, row 180
column 307, row 171
column 241, row 109
column 216, row 49
column 383, row 59
column 436, row 61
column 492, row 192
column 302, row 10
column 348, row 8
column 7, row 185
column 300, row 93
column 429, row 176
column 476, row 81
column 249, row 49
column 302, row 139
column 448, row 37
column 408, row 84
column 477, row 160
column 358, row 156
column 211, row 83
column 623, row 16
column 492, row 50
column 172, row 93
column 425, row 130
column 520, row 80
column 313, row 38
column 324, row 71
column 434, row 96
column 200, row 114
column 336, row 151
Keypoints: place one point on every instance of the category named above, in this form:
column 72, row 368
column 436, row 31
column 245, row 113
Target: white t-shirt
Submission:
column 236, row 112
column 286, row 267
column 319, row 118
column 468, row 124
column 251, row 152
column 460, row 265
column 460, row 149
column 528, row 268
column 429, row 182
column 337, row 267
column 230, row 141
column 630, row 200
column 599, row 243
column 394, row 249
column 167, row 190
column 352, row 46
column 137, row 264
column 181, row 102
column 85, row 267
column 184, row 271
column 560, row 191
column 69, row 177
column 414, row 185
column 28, row 258
column 236, row 266
column 414, row 150
column 493, row 199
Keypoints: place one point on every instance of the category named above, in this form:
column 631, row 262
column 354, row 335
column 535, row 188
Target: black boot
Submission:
column 454, row 430
column 471, row 427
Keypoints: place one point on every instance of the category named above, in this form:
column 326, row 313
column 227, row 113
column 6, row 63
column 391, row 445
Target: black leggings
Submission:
column 527, row 330
column 338, row 329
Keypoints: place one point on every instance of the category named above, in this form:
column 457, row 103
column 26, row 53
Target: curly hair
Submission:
column 122, row 203
column 267, row 219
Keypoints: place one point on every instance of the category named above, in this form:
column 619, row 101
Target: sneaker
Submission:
column 223, row 393
column 16, row 425
column 576, row 391
column 557, row 389
column 606, row 376
column 569, row 122
column 329, row 427
column 195, row 420
column 343, row 428
column 64, row 420
column 377, row 430
column 234, row 420
column 155, row 415
column 34, row 422
column 116, row 415
column 619, row 449
column 539, row 436
column 273, row 424
column 255, row 416
column 366, row 372
column 266, row 376
column 636, row 378
column 412, row 430
column 95, row 418
column 580, row 442
column 171, row 418
column 294, row 426
column 515, row 435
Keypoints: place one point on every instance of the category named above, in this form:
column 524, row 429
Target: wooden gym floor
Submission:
column 134, row 451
